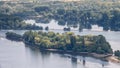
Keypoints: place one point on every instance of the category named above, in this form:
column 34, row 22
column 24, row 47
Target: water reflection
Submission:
column 74, row 62
column 36, row 58
column 102, row 65
column 84, row 61
column 44, row 56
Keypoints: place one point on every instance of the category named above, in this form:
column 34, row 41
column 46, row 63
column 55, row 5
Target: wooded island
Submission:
column 66, row 41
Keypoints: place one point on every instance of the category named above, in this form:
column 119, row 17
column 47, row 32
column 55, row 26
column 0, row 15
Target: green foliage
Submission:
column 117, row 53
column 74, row 13
column 15, row 22
column 73, row 41
column 68, row 41
column 13, row 36
column 86, row 17
column 85, row 13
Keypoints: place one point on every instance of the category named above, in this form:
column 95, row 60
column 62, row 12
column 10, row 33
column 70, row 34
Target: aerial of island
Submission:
column 68, row 42
column 37, row 30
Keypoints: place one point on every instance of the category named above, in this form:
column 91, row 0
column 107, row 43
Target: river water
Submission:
column 17, row 55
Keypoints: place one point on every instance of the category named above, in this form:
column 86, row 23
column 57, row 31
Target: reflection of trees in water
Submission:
column 44, row 56
column 103, row 65
column 84, row 62
column 74, row 62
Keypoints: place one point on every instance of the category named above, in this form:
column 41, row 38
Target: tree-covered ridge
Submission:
column 66, row 41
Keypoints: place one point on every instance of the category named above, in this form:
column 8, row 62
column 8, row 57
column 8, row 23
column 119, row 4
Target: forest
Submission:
column 82, row 14
column 66, row 41
column 16, row 23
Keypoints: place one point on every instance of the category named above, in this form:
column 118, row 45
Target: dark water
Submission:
column 17, row 55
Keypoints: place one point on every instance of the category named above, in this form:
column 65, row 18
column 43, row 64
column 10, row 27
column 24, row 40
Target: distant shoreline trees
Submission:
column 16, row 23
column 73, row 14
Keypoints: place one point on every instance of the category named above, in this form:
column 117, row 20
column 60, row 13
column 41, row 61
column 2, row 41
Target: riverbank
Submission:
column 113, row 59
column 34, row 58
column 74, row 44
column 105, row 57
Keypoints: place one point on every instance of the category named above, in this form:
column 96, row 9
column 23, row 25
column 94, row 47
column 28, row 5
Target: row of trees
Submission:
column 67, row 42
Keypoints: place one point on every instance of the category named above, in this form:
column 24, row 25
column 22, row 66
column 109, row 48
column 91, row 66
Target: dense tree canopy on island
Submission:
column 67, row 41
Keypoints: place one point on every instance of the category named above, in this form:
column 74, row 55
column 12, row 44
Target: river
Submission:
column 18, row 55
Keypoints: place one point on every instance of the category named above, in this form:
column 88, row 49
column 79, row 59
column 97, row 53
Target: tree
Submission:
column 73, row 41
column 13, row 36
column 117, row 53
column 67, row 41
column 47, row 28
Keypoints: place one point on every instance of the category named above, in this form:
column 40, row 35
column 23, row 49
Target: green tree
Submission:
column 117, row 53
